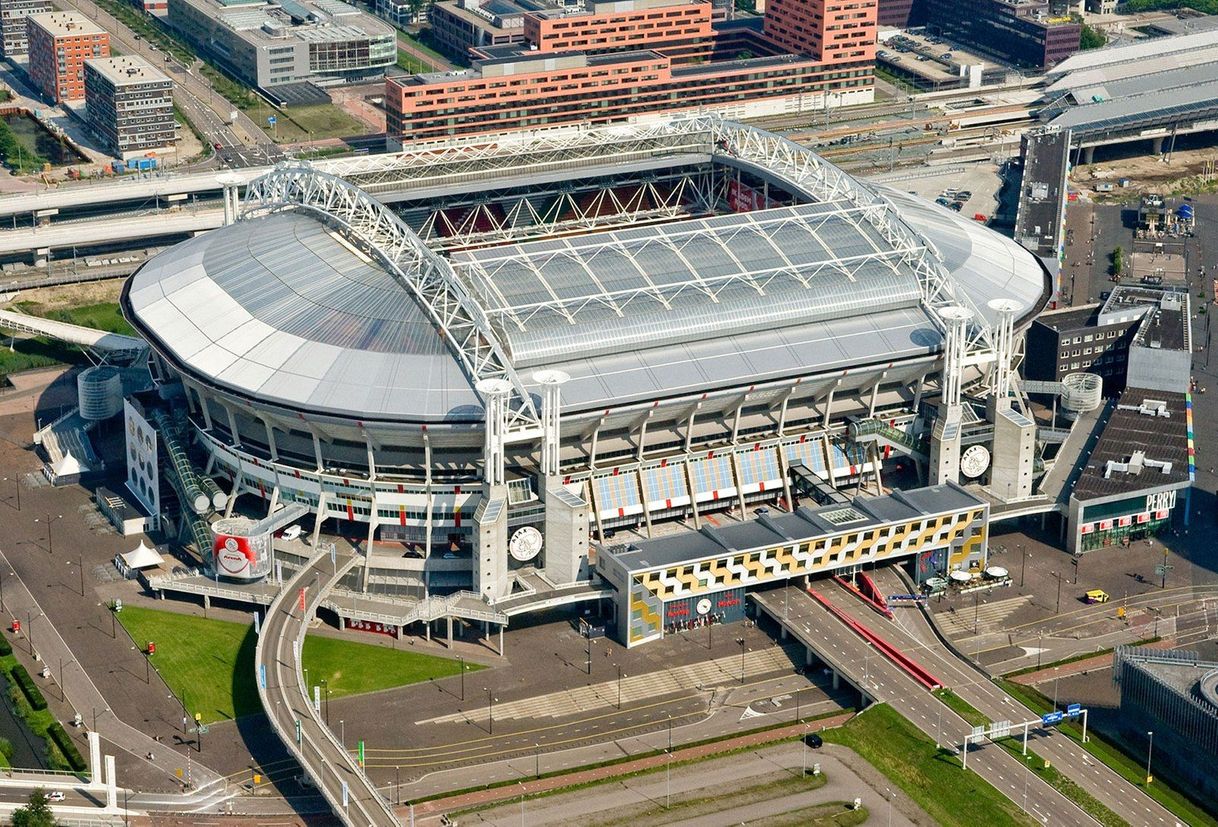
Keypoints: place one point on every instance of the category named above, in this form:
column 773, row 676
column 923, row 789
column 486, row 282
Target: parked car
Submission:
column 942, row 202
column 56, row 795
column 814, row 741
column 964, row 195
column 945, row 56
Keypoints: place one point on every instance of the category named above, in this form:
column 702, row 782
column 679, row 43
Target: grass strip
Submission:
column 683, row 805
column 932, row 777
column 626, row 759
column 1129, row 767
column 17, row 156
column 39, row 721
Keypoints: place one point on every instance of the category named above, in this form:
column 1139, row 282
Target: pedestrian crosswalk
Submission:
column 634, row 688
column 985, row 617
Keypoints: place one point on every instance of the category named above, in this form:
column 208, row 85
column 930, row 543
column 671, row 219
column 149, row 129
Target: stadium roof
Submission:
column 282, row 308
column 323, row 305
column 649, row 286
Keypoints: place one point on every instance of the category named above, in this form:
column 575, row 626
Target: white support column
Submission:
column 322, row 512
column 642, row 436
column 232, row 200
column 1004, row 347
column 371, row 458
column 829, row 404
column 875, row 390
column 495, row 394
column 430, row 500
column 97, row 774
column 689, row 426
column 551, row 420
column 317, row 452
column 234, row 438
column 956, row 320
column 270, row 440
column 111, row 784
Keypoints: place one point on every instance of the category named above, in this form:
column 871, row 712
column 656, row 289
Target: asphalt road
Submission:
column 912, row 633
column 889, row 683
column 353, row 797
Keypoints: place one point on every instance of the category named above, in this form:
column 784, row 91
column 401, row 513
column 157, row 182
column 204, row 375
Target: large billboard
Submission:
column 143, row 477
column 238, row 552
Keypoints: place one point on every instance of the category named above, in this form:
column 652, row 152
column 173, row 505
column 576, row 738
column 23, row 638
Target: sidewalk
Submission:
column 510, row 792
column 83, row 695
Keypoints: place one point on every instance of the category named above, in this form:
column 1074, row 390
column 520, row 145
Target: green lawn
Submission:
column 931, row 777
column 210, row 663
column 304, row 123
column 102, row 316
column 36, row 353
column 962, row 707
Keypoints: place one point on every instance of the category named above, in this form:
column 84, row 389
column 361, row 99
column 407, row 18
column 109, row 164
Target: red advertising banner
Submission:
column 369, row 626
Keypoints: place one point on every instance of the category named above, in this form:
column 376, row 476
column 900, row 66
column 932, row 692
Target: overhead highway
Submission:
column 813, row 625
column 349, row 792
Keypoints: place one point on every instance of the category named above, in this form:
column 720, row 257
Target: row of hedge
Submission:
column 28, row 688
column 67, row 746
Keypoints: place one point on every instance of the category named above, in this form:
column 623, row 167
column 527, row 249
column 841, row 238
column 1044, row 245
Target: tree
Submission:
column 37, row 813
column 1118, row 261
column 1091, row 38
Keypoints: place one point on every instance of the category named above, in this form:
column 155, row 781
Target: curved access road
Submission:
column 281, row 689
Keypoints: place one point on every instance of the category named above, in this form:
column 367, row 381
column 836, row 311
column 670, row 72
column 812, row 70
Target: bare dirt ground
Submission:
column 1186, row 173
column 73, row 295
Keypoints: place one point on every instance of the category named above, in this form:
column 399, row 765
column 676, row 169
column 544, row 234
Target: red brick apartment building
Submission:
column 632, row 59
column 60, row 43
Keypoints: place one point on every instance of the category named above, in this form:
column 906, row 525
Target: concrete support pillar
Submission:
column 111, row 784
column 427, row 630
column 206, row 603
column 693, row 496
column 232, row 201
column 1089, row 155
column 234, row 438
column 501, row 640
column 320, row 518
column 97, row 774
column 1156, row 147
column 450, row 631
column 270, row 440
column 808, row 657
column 317, row 452
column 837, row 679
column 783, row 632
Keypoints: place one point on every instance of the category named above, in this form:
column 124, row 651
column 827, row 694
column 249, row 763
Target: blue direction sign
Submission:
column 1051, row 718
column 272, row 120
column 1074, row 710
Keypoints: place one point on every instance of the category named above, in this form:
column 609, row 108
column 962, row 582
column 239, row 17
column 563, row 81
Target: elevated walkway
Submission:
column 898, row 439
column 101, row 340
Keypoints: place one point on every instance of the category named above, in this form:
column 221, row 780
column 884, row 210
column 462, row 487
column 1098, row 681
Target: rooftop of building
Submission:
column 776, row 528
column 66, row 24
column 1181, row 670
column 127, row 70
column 591, row 7
column 1072, row 318
column 308, row 20
column 1144, row 445
column 1164, row 311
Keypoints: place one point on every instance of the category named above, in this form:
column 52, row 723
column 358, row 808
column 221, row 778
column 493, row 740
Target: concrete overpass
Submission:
column 348, row 791
column 120, row 191
column 853, row 659
column 142, row 227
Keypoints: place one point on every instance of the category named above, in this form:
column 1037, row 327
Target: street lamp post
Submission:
column 536, row 760
column 1055, row 678
column 1149, row 751
column 17, row 486
column 490, row 711
column 325, row 689
column 619, row 687
column 740, row 640
column 397, row 785
column 342, row 733
column 50, row 539
column 1058, row 575
column 462, row 659
column 1023, row 566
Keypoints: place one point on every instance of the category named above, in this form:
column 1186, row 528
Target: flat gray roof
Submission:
column 126, row 70
column 780, row 528
column 1162, row 438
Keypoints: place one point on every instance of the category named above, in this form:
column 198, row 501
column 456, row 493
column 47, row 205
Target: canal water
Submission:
column 32, row 134
column 28, row 750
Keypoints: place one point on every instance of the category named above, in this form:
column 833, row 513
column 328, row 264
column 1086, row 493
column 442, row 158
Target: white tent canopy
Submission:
column 142, row 557
column 68, row 466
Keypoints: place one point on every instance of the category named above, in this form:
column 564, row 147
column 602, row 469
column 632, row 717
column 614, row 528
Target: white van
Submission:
column 292, row 532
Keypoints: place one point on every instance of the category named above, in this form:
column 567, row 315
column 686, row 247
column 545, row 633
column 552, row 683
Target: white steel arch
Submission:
column 369, row 224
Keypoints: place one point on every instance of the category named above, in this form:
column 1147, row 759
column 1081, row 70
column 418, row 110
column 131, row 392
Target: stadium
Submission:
column 484, row 358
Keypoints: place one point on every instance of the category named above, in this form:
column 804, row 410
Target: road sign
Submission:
column 262, row 675
column 1074, row 710
column 272, row 120
column 1000, row 729
column 978, row 731
column 1050, row 718
column 345, row 794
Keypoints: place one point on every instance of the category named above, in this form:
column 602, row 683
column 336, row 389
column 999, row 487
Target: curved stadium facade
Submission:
column 574, row 332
